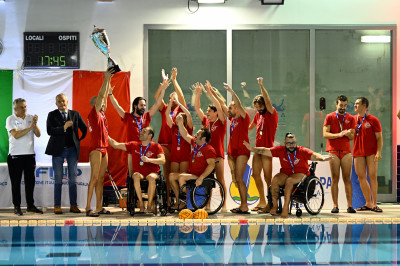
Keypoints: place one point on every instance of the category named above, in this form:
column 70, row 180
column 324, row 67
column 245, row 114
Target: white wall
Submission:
column 124, row 20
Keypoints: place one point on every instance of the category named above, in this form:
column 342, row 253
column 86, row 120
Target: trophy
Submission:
column 100, row 40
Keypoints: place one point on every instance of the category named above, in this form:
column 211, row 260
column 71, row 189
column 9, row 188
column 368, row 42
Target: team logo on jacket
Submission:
column 295, row 161
column 367, row 125
column 199, row 154
column 149, row 154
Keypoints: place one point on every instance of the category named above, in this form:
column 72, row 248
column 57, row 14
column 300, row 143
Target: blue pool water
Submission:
column 202, row 244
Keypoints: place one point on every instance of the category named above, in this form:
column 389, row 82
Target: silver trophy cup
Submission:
column 100, row 40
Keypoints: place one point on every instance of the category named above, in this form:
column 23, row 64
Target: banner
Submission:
column 86, row 84
column 6, row 83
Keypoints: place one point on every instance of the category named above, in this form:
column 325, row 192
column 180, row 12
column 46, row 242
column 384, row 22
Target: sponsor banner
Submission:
column 44, row 186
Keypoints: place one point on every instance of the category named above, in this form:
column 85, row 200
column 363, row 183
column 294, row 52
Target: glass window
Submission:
column 282, row 58
column 345, row 65
column 199, row 55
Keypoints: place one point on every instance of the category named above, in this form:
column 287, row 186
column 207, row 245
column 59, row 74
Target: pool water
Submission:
column 201, row 244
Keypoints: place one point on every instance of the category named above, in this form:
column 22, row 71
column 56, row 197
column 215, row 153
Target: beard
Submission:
column 341, row 111
column 291, row 150
column 263, row 111
column 140, row 111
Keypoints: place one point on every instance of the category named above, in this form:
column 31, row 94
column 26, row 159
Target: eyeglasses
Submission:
column 290, row 143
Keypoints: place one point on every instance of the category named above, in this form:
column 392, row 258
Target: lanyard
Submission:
column 210, row 127
column 142, row 154
column 139, row 124
column 179, row 141
column 233, row 124
column 340, row 124
column 196, row 151
column 359, row 125
column 294, row 159
column 262, row 125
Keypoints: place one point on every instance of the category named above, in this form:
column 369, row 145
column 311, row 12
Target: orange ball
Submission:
column 185, row 214
column 186, row 228
column 201, row 228
column 200, row 214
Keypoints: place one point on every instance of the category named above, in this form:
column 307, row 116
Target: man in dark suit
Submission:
column 64, row 143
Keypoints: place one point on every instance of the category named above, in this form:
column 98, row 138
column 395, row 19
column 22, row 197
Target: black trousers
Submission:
column 16, row 166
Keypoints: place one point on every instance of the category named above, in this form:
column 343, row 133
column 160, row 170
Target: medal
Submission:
column 294, row 160
column 141, row 163
column 261, row 133
column 178, row 148
column 262, row 126
column 192, row 161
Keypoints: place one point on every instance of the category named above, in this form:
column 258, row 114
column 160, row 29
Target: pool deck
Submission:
column 390, row 214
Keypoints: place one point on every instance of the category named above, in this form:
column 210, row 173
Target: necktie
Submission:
column 64, row 116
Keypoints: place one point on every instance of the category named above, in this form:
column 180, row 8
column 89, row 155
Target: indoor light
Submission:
column 272, row 2
column 375, row 39
column 211, row 1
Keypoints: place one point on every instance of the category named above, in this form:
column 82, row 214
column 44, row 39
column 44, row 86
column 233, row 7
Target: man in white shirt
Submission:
column 21, row 128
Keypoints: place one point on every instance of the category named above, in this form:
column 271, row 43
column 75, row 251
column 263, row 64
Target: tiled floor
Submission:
column 390, row 214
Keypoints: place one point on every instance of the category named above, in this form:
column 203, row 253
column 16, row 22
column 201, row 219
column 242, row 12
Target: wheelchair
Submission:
column 210, row 195
column 160, row 196
column 309, row 193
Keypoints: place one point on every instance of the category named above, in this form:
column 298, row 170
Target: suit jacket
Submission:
column 55, row 129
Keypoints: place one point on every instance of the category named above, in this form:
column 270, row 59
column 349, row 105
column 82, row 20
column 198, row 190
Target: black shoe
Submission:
column 33, row 210
column 17, row 211
column 351, row 210
column 335, row 210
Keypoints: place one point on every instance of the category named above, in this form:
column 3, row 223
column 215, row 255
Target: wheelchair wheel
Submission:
column 314, row 193
column 210, row 192
column 182, row 197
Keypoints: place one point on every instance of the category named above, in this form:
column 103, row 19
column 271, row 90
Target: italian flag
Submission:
column 40, row 87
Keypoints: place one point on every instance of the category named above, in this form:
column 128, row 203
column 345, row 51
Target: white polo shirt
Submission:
column 23, row 145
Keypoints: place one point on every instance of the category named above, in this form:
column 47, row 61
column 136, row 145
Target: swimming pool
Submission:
column 198, row 244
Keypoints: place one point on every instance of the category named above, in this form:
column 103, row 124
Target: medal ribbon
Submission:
column 209, row 127
column 233, row 124
column 262, row 125
column 196, row 151
column 142, row 154
column 359, row 125
column 294, row 159
column 340, row 124
column 179, row 140
column 139, row 124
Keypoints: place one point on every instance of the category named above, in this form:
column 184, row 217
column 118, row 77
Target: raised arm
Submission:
column 236, row 100
column 258, row 150
column 116, row 145
column 186, row 111
column 182, row 130
column 103, row 92
column 221, row 101
column 163, row 86
column 197, row 105
column 168, row 111
column 115, row 103
column 265, row 95
column 217, row 104
column 161, row 106
column 178, row 90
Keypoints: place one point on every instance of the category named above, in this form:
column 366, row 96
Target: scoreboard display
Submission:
column 51, row 50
